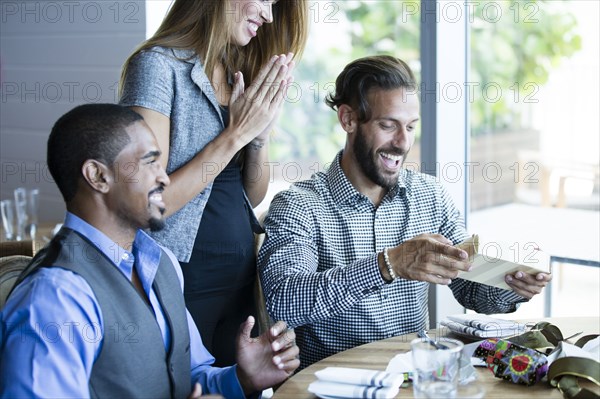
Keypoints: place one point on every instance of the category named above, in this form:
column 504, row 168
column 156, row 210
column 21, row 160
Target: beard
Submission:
column 157, row 224
column 368, row 161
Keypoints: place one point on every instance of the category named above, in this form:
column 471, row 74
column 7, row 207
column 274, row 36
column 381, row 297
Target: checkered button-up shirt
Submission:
column 318, row 264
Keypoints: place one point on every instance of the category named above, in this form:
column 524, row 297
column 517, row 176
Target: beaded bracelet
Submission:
column 388, row 265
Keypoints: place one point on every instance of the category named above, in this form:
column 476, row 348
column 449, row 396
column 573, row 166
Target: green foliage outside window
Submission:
column 514, row 46
column 517, row 53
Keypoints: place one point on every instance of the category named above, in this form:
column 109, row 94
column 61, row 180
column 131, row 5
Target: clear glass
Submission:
column 436, row 367
column 472, row 390
column 33, row 201
column 27, row 209
column 7, row 208
column 21, row 208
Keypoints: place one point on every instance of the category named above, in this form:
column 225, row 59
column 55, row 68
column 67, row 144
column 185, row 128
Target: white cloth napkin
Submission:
column 343, row 382
column 482, row 326
column 401, row 363
column 335, row 390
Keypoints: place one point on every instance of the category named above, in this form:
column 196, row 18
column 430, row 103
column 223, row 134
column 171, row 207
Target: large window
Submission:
column 308, row 135
column 534, row 143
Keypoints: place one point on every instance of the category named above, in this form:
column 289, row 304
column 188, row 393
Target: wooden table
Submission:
column 376, row 356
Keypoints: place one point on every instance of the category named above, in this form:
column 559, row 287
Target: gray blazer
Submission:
column 173, row 82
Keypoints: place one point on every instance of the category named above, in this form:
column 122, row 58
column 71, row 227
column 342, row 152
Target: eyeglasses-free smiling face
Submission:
column 138, row 181
column 248, row 17
column 381, row 144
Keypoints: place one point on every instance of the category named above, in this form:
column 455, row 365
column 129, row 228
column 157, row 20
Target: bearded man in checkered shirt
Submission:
column 350, row 254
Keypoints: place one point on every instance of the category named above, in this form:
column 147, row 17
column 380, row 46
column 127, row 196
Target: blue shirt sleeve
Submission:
column 51, row 335
column 223, row 381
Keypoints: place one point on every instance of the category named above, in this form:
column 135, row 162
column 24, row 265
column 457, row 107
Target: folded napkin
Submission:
column 482, row 326
column 401, row 363
column 335, row 390
column 343, row 382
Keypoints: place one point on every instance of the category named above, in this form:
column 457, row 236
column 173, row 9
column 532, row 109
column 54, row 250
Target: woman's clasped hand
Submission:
column 254, row 109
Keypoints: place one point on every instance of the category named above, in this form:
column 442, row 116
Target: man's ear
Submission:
column 347, row 118
column 97, row 175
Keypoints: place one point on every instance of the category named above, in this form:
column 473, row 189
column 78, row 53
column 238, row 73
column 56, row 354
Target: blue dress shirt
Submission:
column 51, row 328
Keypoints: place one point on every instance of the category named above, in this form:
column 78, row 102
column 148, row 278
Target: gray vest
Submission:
column 133, row 361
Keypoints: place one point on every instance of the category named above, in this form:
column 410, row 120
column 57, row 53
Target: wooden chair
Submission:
column 10, row 269
column 25, row 248
column 263, row 319
column 538, row 175
column 14, row 257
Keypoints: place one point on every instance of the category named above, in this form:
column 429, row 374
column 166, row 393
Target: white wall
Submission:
column 55, row 55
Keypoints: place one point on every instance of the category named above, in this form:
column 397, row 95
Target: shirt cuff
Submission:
column 364, row 277
column 231, row 387
column 509, row 300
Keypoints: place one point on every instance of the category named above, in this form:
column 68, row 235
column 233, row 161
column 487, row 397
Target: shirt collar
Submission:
column 144, row 248
column 148, row 253
column 343, row 191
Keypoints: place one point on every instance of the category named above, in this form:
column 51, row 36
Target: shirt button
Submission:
column 125, row 257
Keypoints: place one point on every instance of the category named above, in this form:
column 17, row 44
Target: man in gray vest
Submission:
column 100, row 312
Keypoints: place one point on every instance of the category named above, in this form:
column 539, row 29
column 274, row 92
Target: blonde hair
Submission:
column 205, row 25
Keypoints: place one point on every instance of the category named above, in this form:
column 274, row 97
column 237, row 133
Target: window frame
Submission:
column 445, row 129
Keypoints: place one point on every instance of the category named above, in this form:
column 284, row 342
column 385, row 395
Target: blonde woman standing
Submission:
column 210, row 84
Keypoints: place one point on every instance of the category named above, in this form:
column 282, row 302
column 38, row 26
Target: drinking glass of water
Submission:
column 436, row 367
column 7, row 209
column 21, row 208
column 33, row 205
column 27, row 208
